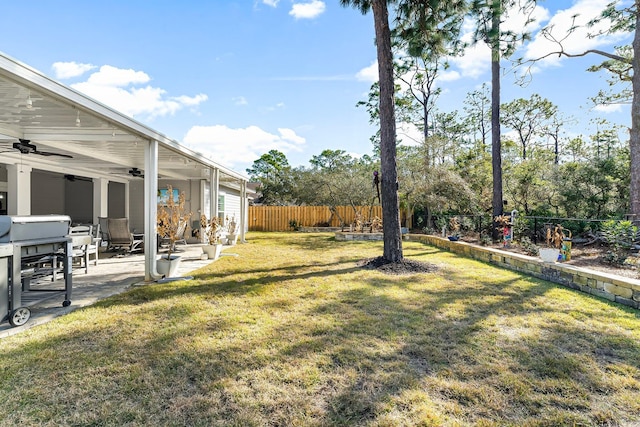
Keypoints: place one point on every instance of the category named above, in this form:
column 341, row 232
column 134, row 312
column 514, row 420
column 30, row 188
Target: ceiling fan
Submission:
column 136, row 172
column 25, row 147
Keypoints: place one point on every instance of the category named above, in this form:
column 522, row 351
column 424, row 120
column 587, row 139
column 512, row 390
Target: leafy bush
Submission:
column 294, row 224
column 619, row 235
column 441, row 222
column 485, row 240
column 529, row 247
column 521, row 228
column 467, row 224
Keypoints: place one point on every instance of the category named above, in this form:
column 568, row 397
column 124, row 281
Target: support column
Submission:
column 127, row 188
column 19, row 189
column 243, row 210
column 215, row 191
column 100, row 199
column 205, row 202
column 150, row 210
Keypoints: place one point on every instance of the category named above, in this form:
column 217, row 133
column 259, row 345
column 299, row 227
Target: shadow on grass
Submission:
column 474, row 349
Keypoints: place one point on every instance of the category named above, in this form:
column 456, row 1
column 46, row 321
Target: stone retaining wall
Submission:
column 346, row 235
column 613, row 288
column 318, row 229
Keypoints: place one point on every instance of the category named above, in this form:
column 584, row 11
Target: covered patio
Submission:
column 62, row 152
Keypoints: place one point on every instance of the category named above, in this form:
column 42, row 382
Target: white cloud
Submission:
column 449, row 76
column 240, row 100
column 272, row 3
column 67, row 70
column 578, row 41
column 240, row 146
column 116, row 88
column 112, row 76
column 609, row 108
column 309, row 10
column 368, row 74
column 476, row 59
column 409, row 134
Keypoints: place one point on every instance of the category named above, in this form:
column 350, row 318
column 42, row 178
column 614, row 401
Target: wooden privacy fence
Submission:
column 278, row 218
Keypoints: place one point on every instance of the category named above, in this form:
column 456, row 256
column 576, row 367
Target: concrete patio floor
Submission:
column 113, row 275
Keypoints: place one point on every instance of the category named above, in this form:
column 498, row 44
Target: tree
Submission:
column 489, row 14
column 337, row 179
column 625, row 64
column 478, row 113
column 273, row 172
column 392, row 251
column 529, row 118
column 331, row 160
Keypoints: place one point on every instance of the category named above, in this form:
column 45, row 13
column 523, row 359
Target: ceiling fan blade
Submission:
column 25, row 147
column 48, row 154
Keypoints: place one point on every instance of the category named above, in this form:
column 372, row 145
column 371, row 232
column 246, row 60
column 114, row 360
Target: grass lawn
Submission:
column 293, row 333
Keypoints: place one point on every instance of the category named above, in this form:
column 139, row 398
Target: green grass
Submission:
column 293, row 333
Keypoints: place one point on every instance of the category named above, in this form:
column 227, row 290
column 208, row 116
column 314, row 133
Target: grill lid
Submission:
column 15, row 228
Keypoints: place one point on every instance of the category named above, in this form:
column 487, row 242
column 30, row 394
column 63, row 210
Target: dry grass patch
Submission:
column 295, row 332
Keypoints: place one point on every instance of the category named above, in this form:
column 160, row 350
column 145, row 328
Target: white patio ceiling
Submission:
column 103, row 142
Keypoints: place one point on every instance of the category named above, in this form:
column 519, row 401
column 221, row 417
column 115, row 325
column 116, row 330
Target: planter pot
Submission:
column 168, row 267
column 232, row 238
column 212, row 251
column 549, row 254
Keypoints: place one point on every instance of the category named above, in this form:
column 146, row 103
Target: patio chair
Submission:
column 166, row 240
column 82, row 239
column 120, row 237
column 96, row 242
column 104, row 231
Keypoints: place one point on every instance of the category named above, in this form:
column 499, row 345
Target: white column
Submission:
column 150, row 210
column 243, row 210
column 100, row 199
column 204, row 204
column 215, row 191
column 126, row 194
column 19, row 189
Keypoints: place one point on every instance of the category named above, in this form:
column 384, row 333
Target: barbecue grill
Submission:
column 32, row 246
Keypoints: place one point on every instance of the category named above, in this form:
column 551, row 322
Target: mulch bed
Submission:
column 405, row 266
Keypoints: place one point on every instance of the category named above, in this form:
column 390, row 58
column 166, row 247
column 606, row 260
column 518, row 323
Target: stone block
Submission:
column 618, row 290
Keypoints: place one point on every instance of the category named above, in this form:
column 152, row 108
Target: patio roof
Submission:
column 103, row 143
column 98, row 142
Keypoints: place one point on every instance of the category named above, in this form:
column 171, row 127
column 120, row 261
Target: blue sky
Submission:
column 234, row 79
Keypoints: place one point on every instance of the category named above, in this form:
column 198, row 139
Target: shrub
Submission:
column 529, row 247
column 619, row 235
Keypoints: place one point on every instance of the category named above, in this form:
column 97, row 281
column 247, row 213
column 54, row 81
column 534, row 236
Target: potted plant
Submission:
column 212, row 231
column 554, row 237
column 172, row 220
column 232, row 226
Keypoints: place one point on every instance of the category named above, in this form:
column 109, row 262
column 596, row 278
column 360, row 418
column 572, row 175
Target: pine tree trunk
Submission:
column 634, row 134
column 496, row 145
column 389, row 174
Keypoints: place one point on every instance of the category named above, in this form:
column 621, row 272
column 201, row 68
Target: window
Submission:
column 221, row 206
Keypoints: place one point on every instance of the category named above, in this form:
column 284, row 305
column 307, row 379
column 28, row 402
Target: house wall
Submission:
column 191, row 191
column 232, row 203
